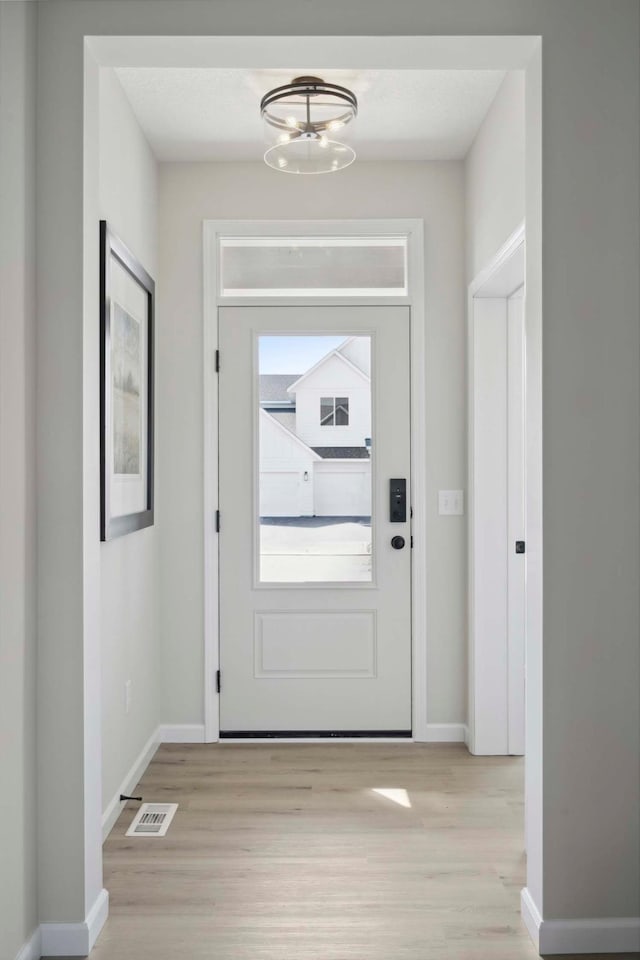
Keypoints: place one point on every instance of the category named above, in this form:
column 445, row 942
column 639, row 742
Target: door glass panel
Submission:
column 314, row 463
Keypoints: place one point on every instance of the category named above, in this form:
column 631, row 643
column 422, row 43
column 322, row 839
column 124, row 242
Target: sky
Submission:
column 294, row 354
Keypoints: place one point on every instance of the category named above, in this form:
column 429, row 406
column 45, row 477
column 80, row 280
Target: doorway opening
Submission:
column 422, row 416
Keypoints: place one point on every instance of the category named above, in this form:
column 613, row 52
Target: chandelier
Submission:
column 306, row 124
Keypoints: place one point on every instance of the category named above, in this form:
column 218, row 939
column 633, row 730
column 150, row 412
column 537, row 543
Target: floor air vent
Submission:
column 152, row 820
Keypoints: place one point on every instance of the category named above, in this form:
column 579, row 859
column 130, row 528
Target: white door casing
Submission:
column 313, row 657
column 213, row 297
column 496, row 520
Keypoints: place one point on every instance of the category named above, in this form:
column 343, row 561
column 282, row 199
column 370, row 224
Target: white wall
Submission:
column 18, row 907
column 190, row 193
column 495, row 175
column 130, row 641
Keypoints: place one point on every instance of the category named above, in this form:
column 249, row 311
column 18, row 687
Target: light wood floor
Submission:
column 285, row 852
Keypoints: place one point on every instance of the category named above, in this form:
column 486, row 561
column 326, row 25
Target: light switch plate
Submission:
column 450, row 503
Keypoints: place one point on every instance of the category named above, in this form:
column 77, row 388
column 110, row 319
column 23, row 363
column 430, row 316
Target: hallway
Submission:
column 285, row 851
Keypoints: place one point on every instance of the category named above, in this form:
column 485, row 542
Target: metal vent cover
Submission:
column 152, row 820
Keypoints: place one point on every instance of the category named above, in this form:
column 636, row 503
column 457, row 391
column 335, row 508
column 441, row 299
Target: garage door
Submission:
column 343, row 492
column 279, row 494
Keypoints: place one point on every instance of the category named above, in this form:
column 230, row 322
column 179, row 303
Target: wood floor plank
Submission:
column 287, row 852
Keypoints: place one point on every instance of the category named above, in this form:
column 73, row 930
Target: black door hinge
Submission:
column 412, row 541
column 520, row 546
column 217, row 361
column 218, row 683
column 217, row 521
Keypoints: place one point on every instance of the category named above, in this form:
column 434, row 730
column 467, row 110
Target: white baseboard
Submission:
column 530, row 916
column 75, row 939
column 97, row 917
column 600, row 935
column 446, row 733
column 32, row 948
column 181, row 733
column 165, row 733
column 138, row 767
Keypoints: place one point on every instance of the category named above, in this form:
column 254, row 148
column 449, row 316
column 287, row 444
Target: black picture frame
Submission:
column 113, row 524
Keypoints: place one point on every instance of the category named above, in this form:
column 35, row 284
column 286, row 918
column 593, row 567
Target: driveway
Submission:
column 312, row 549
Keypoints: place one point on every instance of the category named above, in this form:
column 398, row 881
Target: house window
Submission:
column 334, row 412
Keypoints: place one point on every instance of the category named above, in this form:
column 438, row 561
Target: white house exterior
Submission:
column 286, row 471
column 315, row 433
column 333, row 377
column 358, row 351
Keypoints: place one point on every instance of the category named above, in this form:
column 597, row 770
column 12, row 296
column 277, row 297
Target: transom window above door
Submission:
column 318, row 266
column 334, row 411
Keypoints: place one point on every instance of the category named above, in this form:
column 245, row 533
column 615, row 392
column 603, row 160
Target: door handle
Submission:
column 397, row 543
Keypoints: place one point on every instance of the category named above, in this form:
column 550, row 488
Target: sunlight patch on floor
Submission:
column 397, row 794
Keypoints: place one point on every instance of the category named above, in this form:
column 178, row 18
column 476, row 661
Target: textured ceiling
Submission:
column 209, row 114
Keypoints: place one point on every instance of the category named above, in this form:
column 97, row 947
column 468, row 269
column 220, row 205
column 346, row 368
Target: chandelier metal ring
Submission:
column 305, row 123
column 310, row 87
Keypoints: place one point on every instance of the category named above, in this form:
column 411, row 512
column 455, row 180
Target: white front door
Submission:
column 315, row 600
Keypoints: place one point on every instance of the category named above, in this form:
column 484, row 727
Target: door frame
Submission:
column 413, row 230
column 492, row 729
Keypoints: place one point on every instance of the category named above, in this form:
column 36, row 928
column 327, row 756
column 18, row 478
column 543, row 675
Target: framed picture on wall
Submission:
column 127, row 295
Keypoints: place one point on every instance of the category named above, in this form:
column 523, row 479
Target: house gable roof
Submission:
column 295, row 386
column 290, row 435
column 273, row 387
column 344, row 350
column 342, row 453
